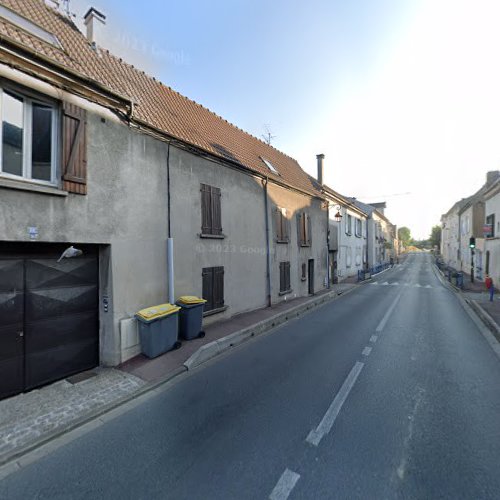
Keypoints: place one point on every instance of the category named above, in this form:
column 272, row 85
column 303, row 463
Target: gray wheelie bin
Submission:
column 158, row 329
column 191, row 317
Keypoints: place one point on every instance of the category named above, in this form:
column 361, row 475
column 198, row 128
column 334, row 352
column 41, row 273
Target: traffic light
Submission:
column 472, row 242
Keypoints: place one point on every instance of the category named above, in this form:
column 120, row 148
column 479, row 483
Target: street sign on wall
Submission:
column 488, row 230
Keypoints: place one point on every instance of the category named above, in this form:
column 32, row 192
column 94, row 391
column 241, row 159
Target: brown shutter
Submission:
column 309, row 229
column 216, row 211
column 207, row 293
column 277, row 222
column 286, row 229
column 74, row 149
column 218, row 287
column 206, row 223
column 282, row 276
column 299, row 229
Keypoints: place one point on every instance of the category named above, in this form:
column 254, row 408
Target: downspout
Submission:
column 327, row 245
column 268, row 249
column 170, row 240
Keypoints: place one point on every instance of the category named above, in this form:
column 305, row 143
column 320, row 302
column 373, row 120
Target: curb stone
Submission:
column 217, row 347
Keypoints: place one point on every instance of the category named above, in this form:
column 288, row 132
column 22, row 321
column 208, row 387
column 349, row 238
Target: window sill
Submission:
column 31, row 186
column 214, row 311
column 303, row 279
column 286, row 292
column 212, row 236
column 283, row 241
column 308, row 245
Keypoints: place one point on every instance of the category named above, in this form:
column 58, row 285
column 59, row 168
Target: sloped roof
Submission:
column 155, row 104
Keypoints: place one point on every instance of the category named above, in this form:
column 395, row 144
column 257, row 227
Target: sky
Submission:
column 402, row 97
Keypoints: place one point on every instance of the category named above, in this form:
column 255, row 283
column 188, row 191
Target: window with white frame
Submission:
column 348, row 225
column 358, row 227
column 28, row 129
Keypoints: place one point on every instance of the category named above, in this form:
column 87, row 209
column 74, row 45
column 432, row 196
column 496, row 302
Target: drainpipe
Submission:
column 268, row 249
column 170, row 240
column 327, row 245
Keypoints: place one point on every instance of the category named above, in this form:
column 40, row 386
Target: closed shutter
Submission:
column 277, row 222
column 74, row 149
column 285, row 227
column 300, row 229
column 309, row 230
column 207, row 292
column 287, row 276
column 206, row 223
column 218, row 287
column 216, row 211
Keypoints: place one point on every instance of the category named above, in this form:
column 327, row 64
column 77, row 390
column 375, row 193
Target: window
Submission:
column 304, row 271
column 348, row 225
column 358, row 228
column 490, row 221
column 270, row 166
column 210, row 211
column 213, row 288
column 285, row 277
column 304, row 229
column 282, row 226
column 28, row 131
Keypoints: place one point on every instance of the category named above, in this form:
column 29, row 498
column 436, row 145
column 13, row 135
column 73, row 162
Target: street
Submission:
column 388, row 392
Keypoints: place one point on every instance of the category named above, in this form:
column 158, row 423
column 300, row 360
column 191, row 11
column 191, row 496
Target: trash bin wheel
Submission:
column 201, row 334
column 177, row 345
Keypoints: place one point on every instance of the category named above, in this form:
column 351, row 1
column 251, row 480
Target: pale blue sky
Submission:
column 401, row 96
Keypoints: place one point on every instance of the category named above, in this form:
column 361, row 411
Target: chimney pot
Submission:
column 94, row 21
column 320, row 159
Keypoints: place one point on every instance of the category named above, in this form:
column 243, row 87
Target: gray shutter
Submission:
column 299, row 229
column 207, row 293
column 215, row 200
column 206, row 216
column 282, row 276
column 287, row 275
column 218, row 287
column 74, row 149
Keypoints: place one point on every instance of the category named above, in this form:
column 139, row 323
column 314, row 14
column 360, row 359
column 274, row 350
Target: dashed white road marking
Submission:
column 285, row 485
column 381, row 325
column 373, row 339
column 366, row 351
column 374, row 283
column 418, row 286
column 385, row 283
column 324, row 427
column 395, row 284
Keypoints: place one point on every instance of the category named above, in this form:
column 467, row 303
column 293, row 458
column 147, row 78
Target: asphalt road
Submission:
column 388, row 392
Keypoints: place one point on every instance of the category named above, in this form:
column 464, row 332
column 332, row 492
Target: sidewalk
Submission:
column 29, row 420
column 478, row 297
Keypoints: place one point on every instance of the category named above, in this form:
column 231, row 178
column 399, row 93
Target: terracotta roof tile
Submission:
column 155, row 103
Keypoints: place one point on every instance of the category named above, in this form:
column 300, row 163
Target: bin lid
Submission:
column 190, row 299
column 157, row 312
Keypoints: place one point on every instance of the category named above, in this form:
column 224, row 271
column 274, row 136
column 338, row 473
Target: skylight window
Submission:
column 29, row 26
column 270, row 166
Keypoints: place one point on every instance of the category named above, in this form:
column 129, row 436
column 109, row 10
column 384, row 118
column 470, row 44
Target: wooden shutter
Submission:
column 308, row 226
column 287, row 276
column 207, row 293
column 216, row 210
column 74, row 149
column 206, row 216
column 218, row 287
column 285, row 233
column 282, row 276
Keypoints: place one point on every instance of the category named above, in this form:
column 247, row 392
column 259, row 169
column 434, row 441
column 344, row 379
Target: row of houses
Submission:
column 470, row 231
column 159, row 196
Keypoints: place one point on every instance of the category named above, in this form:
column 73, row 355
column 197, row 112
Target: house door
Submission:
column 310, row 276
column 48, row 320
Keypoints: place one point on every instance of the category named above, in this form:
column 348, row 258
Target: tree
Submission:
column 435, row 237
column 404, row 235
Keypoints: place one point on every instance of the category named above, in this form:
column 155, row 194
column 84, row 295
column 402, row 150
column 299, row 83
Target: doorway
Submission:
column 310, row 276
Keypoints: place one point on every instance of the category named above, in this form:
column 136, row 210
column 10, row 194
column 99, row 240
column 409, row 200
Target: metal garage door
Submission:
column 48, row 320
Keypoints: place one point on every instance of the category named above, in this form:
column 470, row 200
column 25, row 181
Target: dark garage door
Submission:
column 48, row 318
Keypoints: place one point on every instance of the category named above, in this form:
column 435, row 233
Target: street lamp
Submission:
column 338, row 215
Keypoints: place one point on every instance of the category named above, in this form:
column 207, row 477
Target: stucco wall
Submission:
column 242, row 252
column 296, row 203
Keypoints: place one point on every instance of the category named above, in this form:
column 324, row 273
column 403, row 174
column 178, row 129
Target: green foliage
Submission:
column 404, row 235
column 435, row 237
